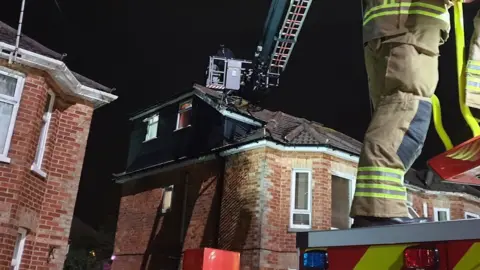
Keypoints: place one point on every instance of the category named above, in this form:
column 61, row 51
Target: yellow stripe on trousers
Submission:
column 382, row 257
column 471, row 259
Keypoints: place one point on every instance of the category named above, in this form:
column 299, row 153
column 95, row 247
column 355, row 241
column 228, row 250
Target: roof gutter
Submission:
column 227, row 151
column 59, row 71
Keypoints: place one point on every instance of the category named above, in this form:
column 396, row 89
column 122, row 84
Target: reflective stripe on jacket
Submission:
column 391, row 17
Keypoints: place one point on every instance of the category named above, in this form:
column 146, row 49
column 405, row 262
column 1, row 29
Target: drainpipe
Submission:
column 19, row 32
column 184, row 211
column 220, row 186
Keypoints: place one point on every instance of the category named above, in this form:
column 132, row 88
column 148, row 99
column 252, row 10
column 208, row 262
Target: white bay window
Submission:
column 11, row 86
column 301, row 199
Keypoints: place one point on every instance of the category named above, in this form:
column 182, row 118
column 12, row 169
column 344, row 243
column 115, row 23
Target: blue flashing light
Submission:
column 315, row 260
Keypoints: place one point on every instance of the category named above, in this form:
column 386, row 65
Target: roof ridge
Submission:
column 312, row 131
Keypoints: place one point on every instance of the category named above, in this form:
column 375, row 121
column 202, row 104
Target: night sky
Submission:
column 150, row 50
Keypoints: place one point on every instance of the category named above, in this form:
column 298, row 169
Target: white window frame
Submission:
column 15, row 101
column 150, row 124
column 17, row 260
column 292, row 199
column 425, row 209
column 180, row 111
column 42, row 140
column 471, row 214
column 353, row 180
column 436, row 210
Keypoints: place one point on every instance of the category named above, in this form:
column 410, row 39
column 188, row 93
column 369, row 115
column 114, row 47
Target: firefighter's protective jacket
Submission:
column 393, row 17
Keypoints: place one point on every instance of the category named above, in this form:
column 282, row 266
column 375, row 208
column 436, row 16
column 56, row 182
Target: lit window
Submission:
column 167, row 199
column 152, row 127
column 18, row 251
column 184, row 116
column 441, row 214
column 42, row 141
column 301, row 200
column 11, row 86
column 469, row 215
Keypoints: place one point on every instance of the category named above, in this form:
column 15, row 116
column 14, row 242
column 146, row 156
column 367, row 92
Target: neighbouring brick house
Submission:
column 45, row 114
column 201, row 173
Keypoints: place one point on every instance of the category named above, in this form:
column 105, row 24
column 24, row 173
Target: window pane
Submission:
column 301, row 219
column 442, row 215
column 153, row 119
column 7, row 85
column 17, row 245
column 185, row 105
column 340, row 202
column 6, row 111
column 152, row 131
column 40, row 144
column 184, row 119
column 301, row 191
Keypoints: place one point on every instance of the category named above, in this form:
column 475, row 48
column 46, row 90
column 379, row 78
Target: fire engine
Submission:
column 435, row 245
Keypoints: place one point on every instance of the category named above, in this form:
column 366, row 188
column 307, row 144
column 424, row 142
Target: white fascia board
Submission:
column 239, row 117
column 313, row 149
column 60, row 73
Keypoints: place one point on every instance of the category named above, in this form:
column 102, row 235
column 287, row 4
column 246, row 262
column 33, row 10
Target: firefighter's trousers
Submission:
column 473, row 67
column 403, row 74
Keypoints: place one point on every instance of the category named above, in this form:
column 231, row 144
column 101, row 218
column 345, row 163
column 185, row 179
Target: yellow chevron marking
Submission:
column 467, row 152
column 471, row 259
column 382, row 257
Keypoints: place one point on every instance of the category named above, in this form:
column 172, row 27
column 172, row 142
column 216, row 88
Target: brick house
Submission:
column 45, row 114
column 203, row 173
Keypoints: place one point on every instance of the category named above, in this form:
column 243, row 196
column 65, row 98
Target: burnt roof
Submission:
column 8, row 35
column 418, row 178
column 285, row 128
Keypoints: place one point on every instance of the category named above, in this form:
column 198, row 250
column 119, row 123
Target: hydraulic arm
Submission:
column 279, row 38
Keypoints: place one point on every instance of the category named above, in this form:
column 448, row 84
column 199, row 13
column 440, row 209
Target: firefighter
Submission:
column 401, row 47
column 473, row 67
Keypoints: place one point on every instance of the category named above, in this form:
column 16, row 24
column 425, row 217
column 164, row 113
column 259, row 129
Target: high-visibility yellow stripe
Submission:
column 474, row 62
column 380, row 169
column 380, row 195
column 382, row 257
column 442, row 12
column 381, row 186
column 406, row 12
column 473, row 79
column 473, row 71
column 471, row 259
column 380, row 178
column 394, row 5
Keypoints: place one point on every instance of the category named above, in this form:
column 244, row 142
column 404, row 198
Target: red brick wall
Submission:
column 147, row 238
column 43, row 206
column 257, row 224
column 458, row 203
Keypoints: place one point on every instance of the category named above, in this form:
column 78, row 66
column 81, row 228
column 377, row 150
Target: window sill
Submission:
column 295, row 230
column 151, row 139
column 38, row 171
column 4, row 159
column 182, row 128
